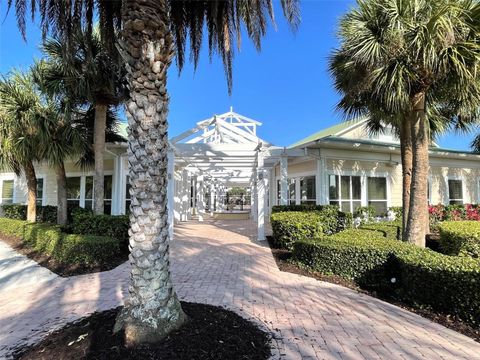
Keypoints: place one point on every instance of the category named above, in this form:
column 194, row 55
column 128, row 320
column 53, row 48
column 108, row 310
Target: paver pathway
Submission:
column 218, row 262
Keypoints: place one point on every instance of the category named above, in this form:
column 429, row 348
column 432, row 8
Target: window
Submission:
column 7, row 192
column 377, row 194
column 346, row 192
column 73, row 191
column 39, row 192
column 307, row 190
column 455, row 192
column 291, row 192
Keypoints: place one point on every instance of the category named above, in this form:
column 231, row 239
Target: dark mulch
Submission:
column 57, row 267
column 283, row 256
column 211, row 332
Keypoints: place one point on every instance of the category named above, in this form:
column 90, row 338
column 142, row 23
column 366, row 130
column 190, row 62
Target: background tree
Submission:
column 409, row 55
column 86, row 72
column 151, row 33
column 21, row 112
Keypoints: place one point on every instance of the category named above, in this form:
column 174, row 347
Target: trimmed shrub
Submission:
column 460, row 238
column 447, row 284
column 357, row 255
column 66, row 248
column 389, row 229
column 333, row 220
column 398, row 211
column 417, row 276
column 47, row 214
column 289, row 227
column 114, row 226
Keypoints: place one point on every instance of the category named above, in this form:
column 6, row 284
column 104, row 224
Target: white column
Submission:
column 254, row 195
column 201, row 197
column 283, row 180
column 321, row 181
column 212, row 198
column 194, row 196
column 170, row 191
column 184, row 198
column 260, row 198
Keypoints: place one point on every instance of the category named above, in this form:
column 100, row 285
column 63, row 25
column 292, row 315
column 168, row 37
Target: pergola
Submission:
column 219, row 152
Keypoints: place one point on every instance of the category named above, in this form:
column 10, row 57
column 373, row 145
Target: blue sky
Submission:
column 286, row 86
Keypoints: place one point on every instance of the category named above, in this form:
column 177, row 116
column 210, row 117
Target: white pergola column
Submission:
column 201, row 197
column 194, row 196
column 212, row 198
column 260, row 195
column 283, row 180
column 184, row 198
column 321, row 187
column 170, row 191
column 254, row 197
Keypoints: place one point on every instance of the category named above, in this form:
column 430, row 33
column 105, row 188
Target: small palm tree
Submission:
column 85, row 72
column 21, row 110
column 411, row 59
column 151, row 33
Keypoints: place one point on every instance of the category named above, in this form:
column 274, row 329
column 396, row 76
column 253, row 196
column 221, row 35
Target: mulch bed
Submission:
column 59, row 268
column 283, row 256
column 211, row 332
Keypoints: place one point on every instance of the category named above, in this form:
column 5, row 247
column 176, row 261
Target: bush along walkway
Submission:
column 219, row 263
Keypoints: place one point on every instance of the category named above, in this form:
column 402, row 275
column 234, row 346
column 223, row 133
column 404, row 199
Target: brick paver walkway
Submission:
column 220, row 263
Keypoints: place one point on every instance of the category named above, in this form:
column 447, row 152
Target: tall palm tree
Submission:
column 151, row 33
column 21, row 111
column 85, row 71
column 412, row 58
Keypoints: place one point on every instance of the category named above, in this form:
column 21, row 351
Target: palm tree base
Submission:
column 149, row 326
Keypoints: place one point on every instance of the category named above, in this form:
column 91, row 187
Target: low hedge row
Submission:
column 388, row 229
column 460, row 238
column 66, row 248
column 332, row 219
column 47, row 214
column 417, row 276
column 114, row 226
column 289, row 227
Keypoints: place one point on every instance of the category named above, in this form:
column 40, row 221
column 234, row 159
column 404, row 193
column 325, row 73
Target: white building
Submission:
column 341, row 165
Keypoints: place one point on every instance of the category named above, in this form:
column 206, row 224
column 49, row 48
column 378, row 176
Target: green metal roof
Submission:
column 330, row 131
column 381, row 143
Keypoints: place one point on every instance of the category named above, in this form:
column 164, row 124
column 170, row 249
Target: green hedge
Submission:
column 449, row 284
column 87, row 223
column 460, row 238
column 388, row 229
column 394, row 268
column 66, row 248
column 333, row 220
column 46, row 213
column 288, row 227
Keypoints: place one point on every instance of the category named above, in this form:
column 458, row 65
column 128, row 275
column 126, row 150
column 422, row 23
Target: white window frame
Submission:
column 363, row 183
column 296, row 177
column 350, row 200
column 447, row 186
column 8, row 178
column 83, row 177
column 43, row 178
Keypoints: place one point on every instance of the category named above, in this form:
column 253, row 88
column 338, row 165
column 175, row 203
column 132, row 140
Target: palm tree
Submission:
column 21, row 111
column 151, row 33
column 85, row 71
column 412, row 58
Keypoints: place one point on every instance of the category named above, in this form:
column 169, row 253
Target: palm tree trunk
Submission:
column 99, row 149
column 418, row 211
column 61, row 194
column 31, row 192
column 407, row 158
column 152, row 309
